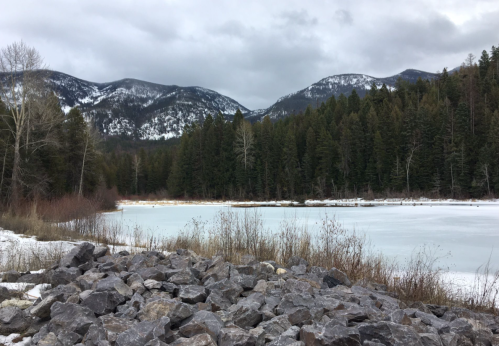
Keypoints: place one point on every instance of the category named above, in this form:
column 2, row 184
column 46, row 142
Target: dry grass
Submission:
column 237, row 232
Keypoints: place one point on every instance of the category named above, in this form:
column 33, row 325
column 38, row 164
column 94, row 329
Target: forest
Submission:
column 433, row 138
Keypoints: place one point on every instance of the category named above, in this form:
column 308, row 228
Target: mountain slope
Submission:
column 140, row 109
column 335, row 85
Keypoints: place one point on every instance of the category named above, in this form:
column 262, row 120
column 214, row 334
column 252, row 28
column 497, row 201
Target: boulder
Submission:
column 70, row 317
column 114, row 283
column 79, row 255
column 336, row 277
column 35, row 278
column 236, row 337
column 101, row 251
column 102, row 303
column 20, row 303
column 173, row 309
column 184, row 277
column 138, row 335
column 11, row 276
column 296, row 261
column 389, row 333
column 42, row 309
column 62, row 276
column 13, row 320
column 202, row 322
column 151, row 273
column 192, row 294
column 330, row 334
column 197, row 340
column 229, row 289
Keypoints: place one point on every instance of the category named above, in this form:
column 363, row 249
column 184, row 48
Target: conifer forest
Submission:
column 433, row 138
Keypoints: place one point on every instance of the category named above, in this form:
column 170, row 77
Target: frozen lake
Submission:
column 469, row 233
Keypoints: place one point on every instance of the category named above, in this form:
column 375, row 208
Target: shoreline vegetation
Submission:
column 352, row 202
column 234, row 233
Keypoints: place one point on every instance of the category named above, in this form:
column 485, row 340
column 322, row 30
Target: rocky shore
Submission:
column 98, row 298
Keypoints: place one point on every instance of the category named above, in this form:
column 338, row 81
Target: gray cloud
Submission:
column 343, row 17
column 254, row 52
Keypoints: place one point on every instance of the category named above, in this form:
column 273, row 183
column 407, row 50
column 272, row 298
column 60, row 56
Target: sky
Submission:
column 252, row 51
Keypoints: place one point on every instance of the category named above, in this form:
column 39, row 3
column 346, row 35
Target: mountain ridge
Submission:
column 146, row 110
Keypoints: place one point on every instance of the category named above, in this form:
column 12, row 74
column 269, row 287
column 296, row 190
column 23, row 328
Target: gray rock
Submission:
column 289, row 337
column 389, row 333
column 152, row 284
column 295, row 286
column 67, row 338
column 36, row 278
column 299, row 270
column 62, row 276
column 247, row 282
column 88, row 280
column 173, row 309
column 113, row 326
column 336, row 277
column 70, row 317
column 217, row 270
column 66, row 290
column 4, row 294
column 431, row 320
column 79, row 255
column 430, row 339
column 11, row 276
column 114, row 283
column 296, row 261
column 202, row 322
column 138, row 335
column 151, row 273
column 292, row 300
column 217, row 302
column 197, row 340
column 13, row 320
column 236, row 337
column 192, row 294
column 42, row 309
column 437, row 310
column 275, row 327
column 100, row 251
column 156, row 342
column 329, row 335
column 102, row 303
column 49, row 339
column 229, row 289
column 184, row 277
column 245, row 316
column 462, row 326
column 180, row 262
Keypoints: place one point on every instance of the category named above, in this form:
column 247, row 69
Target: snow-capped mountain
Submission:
column 335, row 85
column 140, row 109
column 144, row 110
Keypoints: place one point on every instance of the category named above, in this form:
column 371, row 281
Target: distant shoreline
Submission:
column 355, row 202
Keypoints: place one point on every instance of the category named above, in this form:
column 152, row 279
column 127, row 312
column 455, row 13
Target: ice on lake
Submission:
column 470, row 234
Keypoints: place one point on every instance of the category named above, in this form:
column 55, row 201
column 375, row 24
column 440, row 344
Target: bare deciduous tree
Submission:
column 410, row 155
column 136, row 166
column 22, row 89
column 91, row 138
column 243, row 145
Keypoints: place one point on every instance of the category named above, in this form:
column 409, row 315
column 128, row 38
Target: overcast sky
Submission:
column 252, row 51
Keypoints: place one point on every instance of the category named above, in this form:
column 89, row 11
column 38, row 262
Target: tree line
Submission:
column 44, row 152
column 434, row 137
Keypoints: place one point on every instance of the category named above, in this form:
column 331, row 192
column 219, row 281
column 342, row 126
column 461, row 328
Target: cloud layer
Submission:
column 254, row 51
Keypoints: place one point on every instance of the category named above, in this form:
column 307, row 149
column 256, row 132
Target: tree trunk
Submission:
column 15, row 174
column 80, row 189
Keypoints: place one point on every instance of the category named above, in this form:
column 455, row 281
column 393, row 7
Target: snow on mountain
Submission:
column 336, row 85
column 140, row 109
column 144, row 110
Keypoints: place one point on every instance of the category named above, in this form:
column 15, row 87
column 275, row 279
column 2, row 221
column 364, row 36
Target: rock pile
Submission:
column 100, row 299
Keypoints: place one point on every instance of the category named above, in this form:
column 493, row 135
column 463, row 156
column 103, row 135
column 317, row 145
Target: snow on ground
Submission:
column 12, row 340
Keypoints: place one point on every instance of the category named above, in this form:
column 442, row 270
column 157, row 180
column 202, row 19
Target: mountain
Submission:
column 335, row 85
column 144, row 110
column 140, row 109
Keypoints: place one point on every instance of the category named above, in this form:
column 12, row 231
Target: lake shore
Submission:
column 353, row 202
